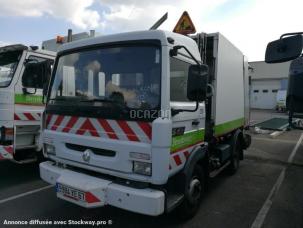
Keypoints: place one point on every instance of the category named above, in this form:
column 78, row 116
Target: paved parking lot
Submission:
column 265, row 192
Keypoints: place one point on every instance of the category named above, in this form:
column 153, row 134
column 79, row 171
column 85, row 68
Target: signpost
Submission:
column 185, row 25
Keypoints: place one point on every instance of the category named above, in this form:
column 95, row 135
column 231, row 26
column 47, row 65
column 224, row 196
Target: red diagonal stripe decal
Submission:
column 108, row 129
column 186, row 153
column 127, row 130
column 87, row 126
column 177, row 160
column 16, row 117
column 57, row 123
column 48, row 119
column 146, row 128
column 9, row 149
column 1, row 157
column 90, row 198
column 29, row 116
column 70, row 124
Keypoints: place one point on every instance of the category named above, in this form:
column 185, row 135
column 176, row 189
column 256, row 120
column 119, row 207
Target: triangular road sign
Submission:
column 185, row 26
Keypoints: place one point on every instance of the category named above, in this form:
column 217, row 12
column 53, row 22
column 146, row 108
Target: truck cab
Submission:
column 23, row 75
column 126, row 123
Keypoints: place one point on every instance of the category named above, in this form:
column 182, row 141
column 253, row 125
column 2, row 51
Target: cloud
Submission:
column 2, row 43
column 249, row 24
column 259, row 23
column 78, row 12
column 125, row 15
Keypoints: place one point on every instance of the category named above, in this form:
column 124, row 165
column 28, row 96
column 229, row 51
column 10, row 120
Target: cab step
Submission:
column 173, row 201
column 217, row 171
column 26, row 161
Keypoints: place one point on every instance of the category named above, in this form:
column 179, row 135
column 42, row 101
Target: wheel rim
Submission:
column 195, row 189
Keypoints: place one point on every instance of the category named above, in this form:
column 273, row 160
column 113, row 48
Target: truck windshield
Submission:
column 125, row 76
column 8, row 64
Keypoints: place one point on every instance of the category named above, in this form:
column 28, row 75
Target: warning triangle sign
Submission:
column 185, row 26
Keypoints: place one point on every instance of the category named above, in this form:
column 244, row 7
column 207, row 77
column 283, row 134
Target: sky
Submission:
column 248, row 24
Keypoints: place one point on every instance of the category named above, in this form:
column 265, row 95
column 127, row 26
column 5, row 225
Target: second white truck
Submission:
column 24, row 72
column 142, row 120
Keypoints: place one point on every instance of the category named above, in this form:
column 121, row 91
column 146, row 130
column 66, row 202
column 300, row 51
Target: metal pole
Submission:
column 92, row 33
column 70, row 36
column 159, row 22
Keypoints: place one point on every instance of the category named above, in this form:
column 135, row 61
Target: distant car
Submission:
column 281, row 100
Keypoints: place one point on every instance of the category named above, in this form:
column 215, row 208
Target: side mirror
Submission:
column 294, row 100
column 36, row 74
column 197, row 82
column 284, row 49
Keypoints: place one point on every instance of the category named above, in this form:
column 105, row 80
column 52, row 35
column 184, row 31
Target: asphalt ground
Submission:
column 265, row 192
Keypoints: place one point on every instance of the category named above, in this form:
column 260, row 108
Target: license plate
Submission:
column 71, row 193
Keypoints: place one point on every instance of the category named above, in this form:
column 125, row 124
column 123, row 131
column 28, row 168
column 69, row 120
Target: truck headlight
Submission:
column 142, row 168
column 49, row 149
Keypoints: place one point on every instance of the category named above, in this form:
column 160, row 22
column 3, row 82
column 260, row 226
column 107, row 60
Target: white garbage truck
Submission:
column 24, row 73
column 142, row 120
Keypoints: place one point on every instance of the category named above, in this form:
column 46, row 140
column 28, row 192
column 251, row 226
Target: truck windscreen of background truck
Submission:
column 8, row 64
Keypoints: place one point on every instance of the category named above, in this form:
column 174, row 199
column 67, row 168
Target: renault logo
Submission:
column 86, row 156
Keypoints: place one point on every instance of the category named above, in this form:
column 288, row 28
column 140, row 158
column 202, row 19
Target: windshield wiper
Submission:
column 98, row 100
column 106, row 101
column 58, row 99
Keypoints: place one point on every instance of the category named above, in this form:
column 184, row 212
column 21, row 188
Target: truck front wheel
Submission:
column 194, row 192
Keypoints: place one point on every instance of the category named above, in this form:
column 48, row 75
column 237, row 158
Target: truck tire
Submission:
column 235, row 157
column 193, row 195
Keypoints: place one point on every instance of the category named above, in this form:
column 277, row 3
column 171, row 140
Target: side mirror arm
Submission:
column 177, row 111
column 173, row 52
column 290, row 34
column 24, row 90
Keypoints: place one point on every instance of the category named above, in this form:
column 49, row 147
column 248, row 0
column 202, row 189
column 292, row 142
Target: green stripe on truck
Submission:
column 188, row 139
column 228, row 126
column 28, row 99
column 191, row 138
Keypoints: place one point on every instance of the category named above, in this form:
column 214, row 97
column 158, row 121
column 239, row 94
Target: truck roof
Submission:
column 44, row 52
column 21, row 47
column 15, row 47
column 137, row 35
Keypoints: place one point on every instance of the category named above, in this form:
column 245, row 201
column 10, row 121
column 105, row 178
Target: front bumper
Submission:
column 103, row 192
column 6, row 152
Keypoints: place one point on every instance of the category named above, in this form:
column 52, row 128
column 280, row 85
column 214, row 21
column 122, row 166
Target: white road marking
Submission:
column 25, row 194
column 275, row 140
column 294, row 151
column 259, row 220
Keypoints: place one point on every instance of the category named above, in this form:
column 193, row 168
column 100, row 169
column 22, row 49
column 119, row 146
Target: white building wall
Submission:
column 263, row 94
column 262, row 70
column 265, row 81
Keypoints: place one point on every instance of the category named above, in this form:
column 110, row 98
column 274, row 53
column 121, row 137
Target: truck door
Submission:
column 28, row 106
column 188, row 127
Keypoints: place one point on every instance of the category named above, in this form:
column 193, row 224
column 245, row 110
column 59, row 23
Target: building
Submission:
column 266, row 80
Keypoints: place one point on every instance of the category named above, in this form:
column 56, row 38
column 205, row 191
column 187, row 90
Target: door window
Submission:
column 178, row 80
column 30, row 80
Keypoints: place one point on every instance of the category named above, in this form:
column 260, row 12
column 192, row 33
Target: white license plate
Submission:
column 71, row 193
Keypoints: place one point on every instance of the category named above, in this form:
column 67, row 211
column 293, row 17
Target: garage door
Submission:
column 263, row 94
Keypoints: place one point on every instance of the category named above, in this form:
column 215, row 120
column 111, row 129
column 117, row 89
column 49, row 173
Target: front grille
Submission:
column 116, row 180
column 97, row 151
